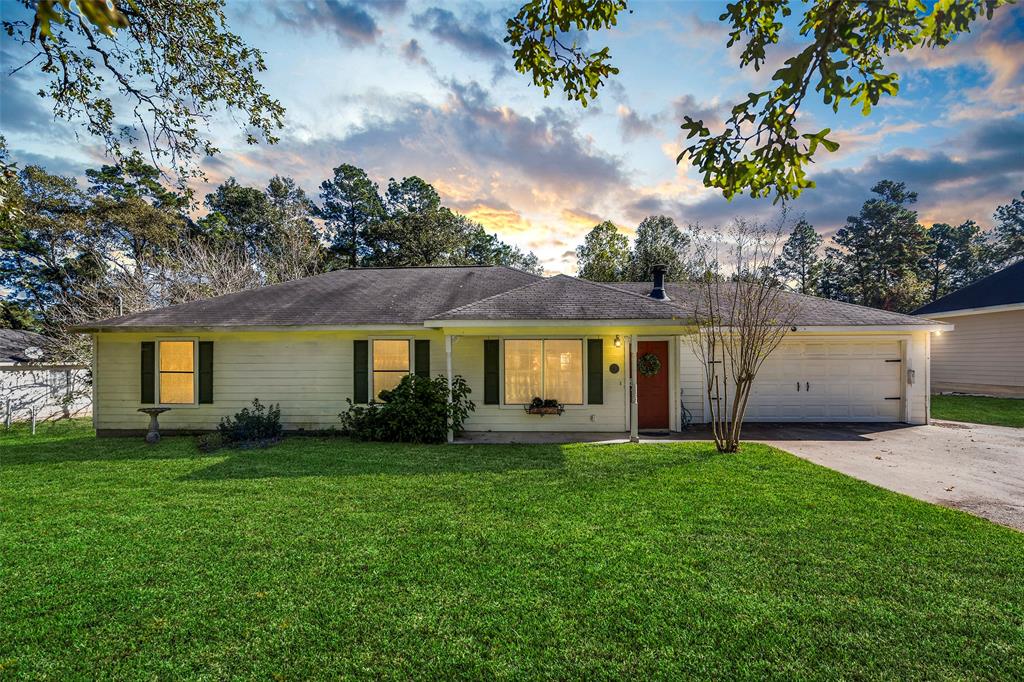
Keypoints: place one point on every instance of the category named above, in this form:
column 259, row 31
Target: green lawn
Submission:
column 969, row 408
column 323, row 559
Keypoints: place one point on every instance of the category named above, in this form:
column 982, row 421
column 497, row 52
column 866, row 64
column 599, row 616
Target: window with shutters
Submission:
column 176, row 375
column 391, row 362
column 551, row 369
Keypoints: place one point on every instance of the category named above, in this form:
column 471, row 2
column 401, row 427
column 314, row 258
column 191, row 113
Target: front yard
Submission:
column 979, row 409
column 321, row 559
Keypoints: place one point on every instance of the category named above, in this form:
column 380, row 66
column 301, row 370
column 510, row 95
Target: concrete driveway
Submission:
column 973, row 467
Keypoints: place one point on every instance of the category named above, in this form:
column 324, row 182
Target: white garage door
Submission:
column 829, row 380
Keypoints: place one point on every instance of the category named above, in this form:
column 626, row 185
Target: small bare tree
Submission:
column 189, row 271
column 741, row 318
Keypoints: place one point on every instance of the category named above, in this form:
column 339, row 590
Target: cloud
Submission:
column 57, row 165
column 23, row 111
column 349, row 21
column 412, row 51
column 992, row 48
column 959, row 179
column 474, row 151
column 465, row 37
column 632, row 125
column 712, row 113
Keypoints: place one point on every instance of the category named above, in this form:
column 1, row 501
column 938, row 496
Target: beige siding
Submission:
column 917, row 393
column 691, row 381
column 609, row 417
column 308, row 373
column 983, row 354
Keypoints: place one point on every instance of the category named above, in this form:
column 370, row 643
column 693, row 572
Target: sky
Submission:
column 404, row 88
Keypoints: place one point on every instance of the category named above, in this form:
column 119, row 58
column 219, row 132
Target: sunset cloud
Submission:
column 427, row 89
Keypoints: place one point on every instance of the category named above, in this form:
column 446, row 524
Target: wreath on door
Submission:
column 648, row 364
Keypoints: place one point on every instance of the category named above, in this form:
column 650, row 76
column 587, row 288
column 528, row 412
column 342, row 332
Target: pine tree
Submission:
column 1009, row 232
column 659, row 241
column 799, row 265
column 958, row 256
column 352, row 206
column 604, row 255
column 882, row 249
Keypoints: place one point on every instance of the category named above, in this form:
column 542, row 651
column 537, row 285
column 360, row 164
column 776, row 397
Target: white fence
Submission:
column 41, row 392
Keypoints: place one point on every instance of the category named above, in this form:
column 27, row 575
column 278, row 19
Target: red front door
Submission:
column 652, row 391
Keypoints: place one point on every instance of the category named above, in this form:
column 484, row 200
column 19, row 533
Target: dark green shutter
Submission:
column 360, row 369
column 492, row 379
column 595, row 371
column 205, row 372
column 422, row 358
column 148, row 373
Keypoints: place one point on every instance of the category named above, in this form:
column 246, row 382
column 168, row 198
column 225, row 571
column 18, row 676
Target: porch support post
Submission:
column 448, row 366
column 634, row 429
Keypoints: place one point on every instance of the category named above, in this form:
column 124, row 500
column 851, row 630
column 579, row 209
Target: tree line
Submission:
column 883, row 257
column 126, row 242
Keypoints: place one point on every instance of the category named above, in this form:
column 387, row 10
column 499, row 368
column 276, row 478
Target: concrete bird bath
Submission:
column 153, row 436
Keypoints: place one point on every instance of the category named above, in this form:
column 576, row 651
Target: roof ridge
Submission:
column 852, row 305
column 424, row 267
column 834, row 301
column 790, row 292
column 322, row 275
column 610, row 285
column 492, row 296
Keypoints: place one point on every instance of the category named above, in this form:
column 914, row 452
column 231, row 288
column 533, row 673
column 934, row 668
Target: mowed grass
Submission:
column 979, row 410
column 319, row 558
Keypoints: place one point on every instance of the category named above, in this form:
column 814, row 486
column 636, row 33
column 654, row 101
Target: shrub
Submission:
column 259, row 424
column 210, row 442
column 415, row 411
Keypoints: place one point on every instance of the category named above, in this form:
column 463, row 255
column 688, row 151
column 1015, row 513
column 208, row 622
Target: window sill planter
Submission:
column 558, row 409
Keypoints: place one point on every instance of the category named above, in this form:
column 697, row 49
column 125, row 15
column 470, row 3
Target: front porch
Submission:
column 588, row 368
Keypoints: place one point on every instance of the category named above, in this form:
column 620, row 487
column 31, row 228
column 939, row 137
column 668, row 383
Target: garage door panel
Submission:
column 839, row 380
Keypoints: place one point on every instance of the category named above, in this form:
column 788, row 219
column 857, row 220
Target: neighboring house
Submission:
column 30, row 383
column 985, row 352
column 312, row 343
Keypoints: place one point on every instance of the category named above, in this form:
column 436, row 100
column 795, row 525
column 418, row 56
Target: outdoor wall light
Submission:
column 617, row 342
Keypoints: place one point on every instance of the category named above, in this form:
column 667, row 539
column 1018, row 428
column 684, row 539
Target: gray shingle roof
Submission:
column 342, row 297
column 1005, row 287
column 809, row 311
column 565, row 298
column 386, row 296
column 14, row 343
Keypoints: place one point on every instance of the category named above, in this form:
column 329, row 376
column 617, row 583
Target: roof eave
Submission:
column 177, row 329
column 1005, row 308
column 561, row 322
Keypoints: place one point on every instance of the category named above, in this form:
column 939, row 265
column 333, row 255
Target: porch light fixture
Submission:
column 617, row 342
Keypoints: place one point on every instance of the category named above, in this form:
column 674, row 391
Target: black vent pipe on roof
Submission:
column 658, row 292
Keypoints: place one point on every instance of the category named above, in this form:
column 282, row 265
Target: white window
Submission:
column 551, row 369
column 177, row 375
column 390, row 363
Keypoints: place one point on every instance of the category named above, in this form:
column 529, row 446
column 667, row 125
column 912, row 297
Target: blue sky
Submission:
column 409, row 88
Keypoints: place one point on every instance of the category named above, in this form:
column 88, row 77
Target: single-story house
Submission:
column 985, row 353
column 312, row 343
column 33, row 384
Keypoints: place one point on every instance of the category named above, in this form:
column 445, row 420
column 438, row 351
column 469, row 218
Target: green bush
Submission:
column 209, row 442
column 415, row 411
column 256, row 425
